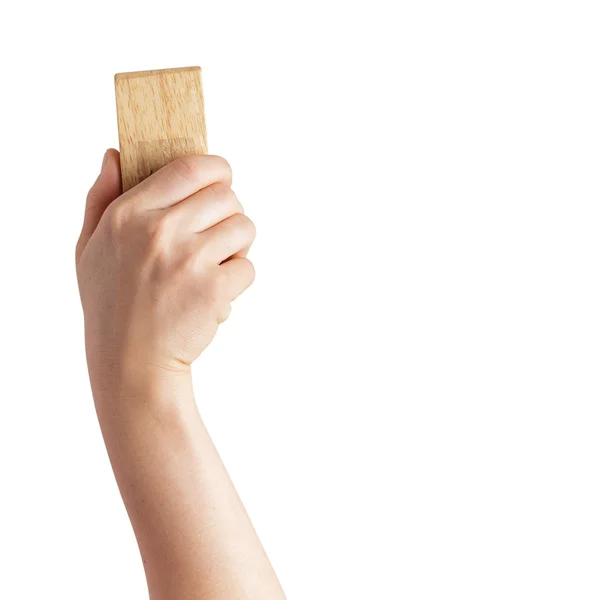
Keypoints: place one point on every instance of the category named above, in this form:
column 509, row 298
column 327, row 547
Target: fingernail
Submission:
column 104, row 159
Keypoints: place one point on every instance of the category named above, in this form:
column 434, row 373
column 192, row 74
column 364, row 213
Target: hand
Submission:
column 159, row 265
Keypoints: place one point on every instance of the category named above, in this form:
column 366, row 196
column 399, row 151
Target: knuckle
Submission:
column 246, row 225
column 223, row 194
column 187, row 167
column 224, row 313
column 236, row 205
column 118, row 216
column 219, row 191
column 160, row 230
column 190, row 168
column 162, row 226
column 223, row 167
column 251, row 271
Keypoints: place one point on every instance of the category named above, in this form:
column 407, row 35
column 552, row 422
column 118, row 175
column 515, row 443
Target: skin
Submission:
column 158, row 268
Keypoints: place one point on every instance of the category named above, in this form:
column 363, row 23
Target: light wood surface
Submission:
column 161, row 117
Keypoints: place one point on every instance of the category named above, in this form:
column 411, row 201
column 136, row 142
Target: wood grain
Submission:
column 161, row 117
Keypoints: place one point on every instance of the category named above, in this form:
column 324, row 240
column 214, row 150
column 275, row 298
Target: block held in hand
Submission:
column 161, row 117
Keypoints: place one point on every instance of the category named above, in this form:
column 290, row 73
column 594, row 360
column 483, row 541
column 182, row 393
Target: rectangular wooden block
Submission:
column 161, row 117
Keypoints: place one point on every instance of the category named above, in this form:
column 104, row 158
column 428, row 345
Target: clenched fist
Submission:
column 159, row 265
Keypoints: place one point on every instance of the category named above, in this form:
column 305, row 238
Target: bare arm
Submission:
column 158, row 268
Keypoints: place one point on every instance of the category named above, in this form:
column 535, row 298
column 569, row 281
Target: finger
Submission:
column 178, row 180
column 104, row 191
column 207, row 208
column 224, row 313
column 227, row 238
column 237, row 276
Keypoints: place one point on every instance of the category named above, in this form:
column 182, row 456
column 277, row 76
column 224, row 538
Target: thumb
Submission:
column 105, row 189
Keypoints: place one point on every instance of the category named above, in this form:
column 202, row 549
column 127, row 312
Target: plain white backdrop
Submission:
column 407, row 399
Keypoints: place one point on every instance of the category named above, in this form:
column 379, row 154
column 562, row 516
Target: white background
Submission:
column 407, row 399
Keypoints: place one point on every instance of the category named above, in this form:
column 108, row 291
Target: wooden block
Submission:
column 161, row 117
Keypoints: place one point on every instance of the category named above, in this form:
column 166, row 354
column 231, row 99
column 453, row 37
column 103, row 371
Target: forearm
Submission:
column 194, row 535
column 158, row 268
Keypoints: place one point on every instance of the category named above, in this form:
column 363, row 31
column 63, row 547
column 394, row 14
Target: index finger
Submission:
column 177, row 181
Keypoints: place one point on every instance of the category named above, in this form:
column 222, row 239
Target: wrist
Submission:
column 133, row 380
